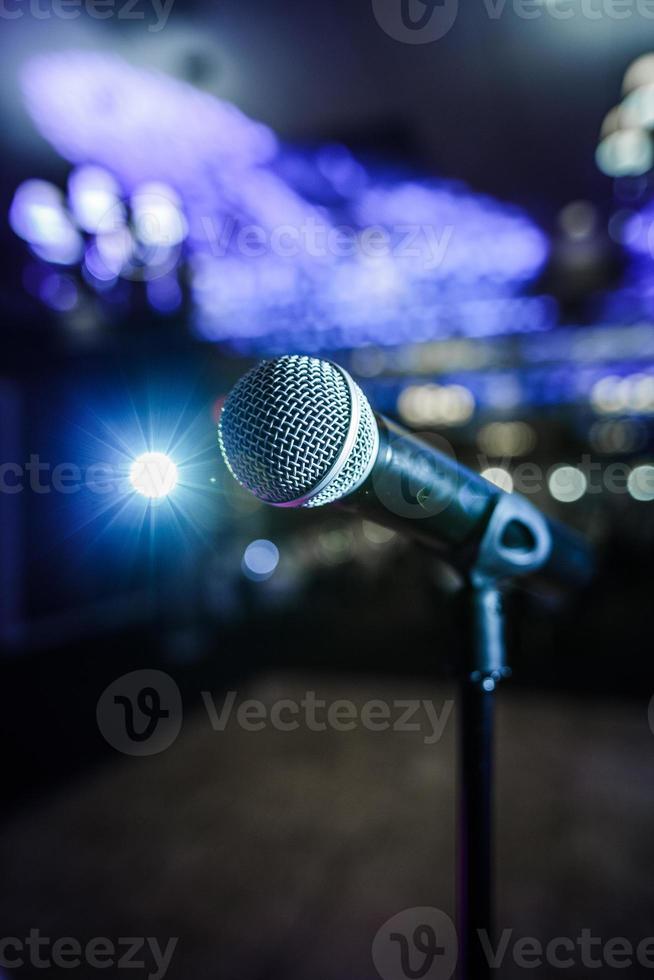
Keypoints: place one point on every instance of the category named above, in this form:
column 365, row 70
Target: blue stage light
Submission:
column 153, row 475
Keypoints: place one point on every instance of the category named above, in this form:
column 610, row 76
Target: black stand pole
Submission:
column 517, row 541
column 485, row 667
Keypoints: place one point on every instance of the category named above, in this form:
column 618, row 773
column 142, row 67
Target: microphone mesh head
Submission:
column 288, row 423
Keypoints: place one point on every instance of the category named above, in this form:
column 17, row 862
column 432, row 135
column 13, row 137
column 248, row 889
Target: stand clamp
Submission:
column 516, row 542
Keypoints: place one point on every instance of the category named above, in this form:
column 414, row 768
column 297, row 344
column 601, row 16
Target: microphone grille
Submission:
column 298, row 432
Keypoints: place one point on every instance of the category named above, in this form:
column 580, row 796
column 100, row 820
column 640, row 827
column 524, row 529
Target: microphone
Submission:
column 297, row 431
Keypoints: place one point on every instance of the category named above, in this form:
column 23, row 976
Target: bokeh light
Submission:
column 500, row 477
column 260, row 560
column 625, row 153
column 94, row 196
column 434, row 404
column 640, row 483
column 567, row 484
column 506, row 438
column 38, row 216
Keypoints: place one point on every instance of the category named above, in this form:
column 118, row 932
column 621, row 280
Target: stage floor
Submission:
column 280, row 854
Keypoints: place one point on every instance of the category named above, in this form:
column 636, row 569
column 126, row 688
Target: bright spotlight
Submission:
column 153, row 475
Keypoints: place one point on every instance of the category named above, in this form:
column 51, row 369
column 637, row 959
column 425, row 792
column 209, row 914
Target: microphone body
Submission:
column 298, row 432
column 422, row 491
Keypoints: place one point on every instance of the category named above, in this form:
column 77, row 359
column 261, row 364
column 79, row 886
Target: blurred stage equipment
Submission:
column 298, row 432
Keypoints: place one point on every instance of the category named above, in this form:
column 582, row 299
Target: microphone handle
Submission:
column 416, row 489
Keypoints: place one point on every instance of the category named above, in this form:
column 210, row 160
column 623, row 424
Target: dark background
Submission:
column 275, row 855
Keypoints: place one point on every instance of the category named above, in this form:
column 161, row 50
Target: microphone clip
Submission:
column 516, row 542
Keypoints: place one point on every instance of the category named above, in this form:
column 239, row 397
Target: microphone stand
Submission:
column 485, row 668
column 497, row 560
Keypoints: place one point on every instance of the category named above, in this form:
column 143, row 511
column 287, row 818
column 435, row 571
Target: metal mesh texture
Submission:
column 283, row 428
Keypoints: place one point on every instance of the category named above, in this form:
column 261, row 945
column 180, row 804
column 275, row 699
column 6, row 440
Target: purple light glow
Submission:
column 633, row 299
column 234, row 304
column 140, row 124
column 157, row 215
column 144, row 127
column 456, row 235
column 164, row 295
column 457, row 271
column 339, row 167
column 59, row 292
column 96, row 268
column 287, row 249
column 637, row 233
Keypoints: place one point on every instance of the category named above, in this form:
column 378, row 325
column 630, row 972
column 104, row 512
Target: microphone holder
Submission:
column 516, row 542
